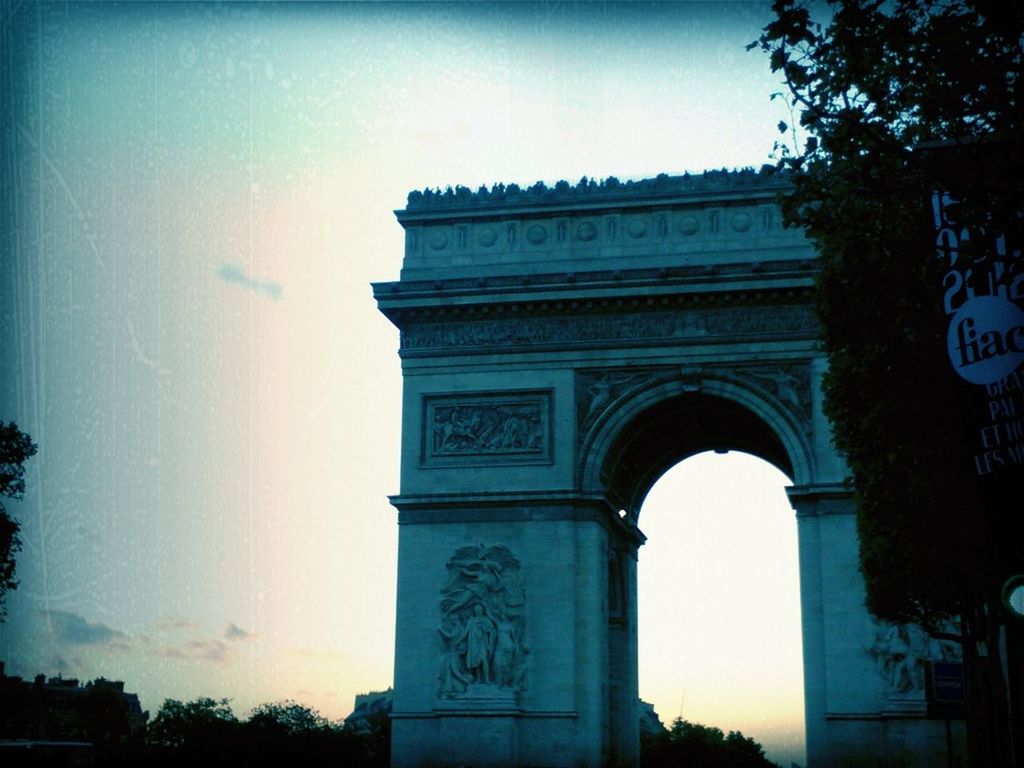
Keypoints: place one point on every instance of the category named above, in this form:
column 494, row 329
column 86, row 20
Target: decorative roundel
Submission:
column 438, row 240
column 487, row 237
column 536, row 234
column 741, row 222
column 689, row 225
column 586, row 231
column 637, row 228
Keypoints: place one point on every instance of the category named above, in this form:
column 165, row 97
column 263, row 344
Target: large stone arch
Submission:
column 560, row 349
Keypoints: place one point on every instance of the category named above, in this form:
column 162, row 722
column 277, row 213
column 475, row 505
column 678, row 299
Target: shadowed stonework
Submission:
column 561, row 349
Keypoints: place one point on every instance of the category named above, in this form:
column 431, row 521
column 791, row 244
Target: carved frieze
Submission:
column 503, row 426
column 638, row 326
column 481, row 629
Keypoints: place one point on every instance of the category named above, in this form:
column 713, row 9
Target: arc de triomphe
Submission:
column 561, row 349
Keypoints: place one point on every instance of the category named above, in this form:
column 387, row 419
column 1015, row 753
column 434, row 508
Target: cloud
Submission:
column 213, row 650
column 216, row 650
column 233, row 273
column 235, row 632
column 174, row 622
column 73, row 629
column 65, row 666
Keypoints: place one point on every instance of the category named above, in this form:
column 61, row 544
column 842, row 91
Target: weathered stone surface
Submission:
column 560, row 349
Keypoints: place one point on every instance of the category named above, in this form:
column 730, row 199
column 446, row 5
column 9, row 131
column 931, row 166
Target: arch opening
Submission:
column 719, row 630
column 646, row 440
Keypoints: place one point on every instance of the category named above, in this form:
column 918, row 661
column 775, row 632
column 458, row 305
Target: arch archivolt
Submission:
column 768, row 405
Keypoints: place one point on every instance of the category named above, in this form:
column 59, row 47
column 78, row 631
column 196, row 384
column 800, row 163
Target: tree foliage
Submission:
column 288, row 717
column 15, row 448
column 701, row 746
column 873, row 84
column 206, row 732
column 898, row 99
column 194, row 724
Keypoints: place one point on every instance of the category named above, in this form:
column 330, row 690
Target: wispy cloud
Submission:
column 169, row 638
column 174, row 622
column 218, row 650
column 233, row 273
column 73, row 629
column 65, row 666
column 235, row 632
column 212, row 650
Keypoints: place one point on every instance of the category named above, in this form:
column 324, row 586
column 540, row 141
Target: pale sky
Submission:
column 195, row 200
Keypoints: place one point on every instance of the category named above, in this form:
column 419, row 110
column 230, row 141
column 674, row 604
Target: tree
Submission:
column 701, row 746
column 194, row 725
column 288, row 733
column 15, row 448
column 876, row 84
column 205, row 731
column 289, row 717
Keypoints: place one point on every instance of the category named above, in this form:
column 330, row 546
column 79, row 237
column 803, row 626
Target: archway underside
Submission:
column 676, row 429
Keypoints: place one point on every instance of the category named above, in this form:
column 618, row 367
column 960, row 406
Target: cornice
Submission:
column 406, row 317
column 525, row 506
column 788, row 280
column 588, row 194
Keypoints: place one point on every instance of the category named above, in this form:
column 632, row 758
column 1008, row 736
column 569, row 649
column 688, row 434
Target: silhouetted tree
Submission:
column 288, row 733
column 701, row 746
column 205, row 732
column 204, row 723
column 15, row 448
column 875, row 82
column 288, row 717
column 375, row 735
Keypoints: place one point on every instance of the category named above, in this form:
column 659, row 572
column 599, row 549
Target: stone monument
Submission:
column 562, row 348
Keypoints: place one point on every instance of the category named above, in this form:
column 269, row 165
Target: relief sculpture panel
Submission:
column 902, row 650
column 487, row 427
column 482, row 621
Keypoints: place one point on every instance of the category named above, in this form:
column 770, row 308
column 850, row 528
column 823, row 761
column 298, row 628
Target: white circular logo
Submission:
column 986, row 339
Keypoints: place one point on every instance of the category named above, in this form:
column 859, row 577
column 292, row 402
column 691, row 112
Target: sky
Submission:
column 195, row 200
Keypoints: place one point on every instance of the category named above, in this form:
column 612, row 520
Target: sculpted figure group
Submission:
column 482, row 622
column 901, row 650
column 487, row 429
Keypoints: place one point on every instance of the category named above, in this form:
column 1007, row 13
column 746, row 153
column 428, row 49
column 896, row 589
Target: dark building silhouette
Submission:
column 365, row 708
column 61, row 709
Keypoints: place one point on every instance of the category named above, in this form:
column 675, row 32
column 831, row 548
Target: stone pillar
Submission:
column 591, row 684
column 623, row 680
column 542, row 568
column 843, row 690
column 812, row 620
